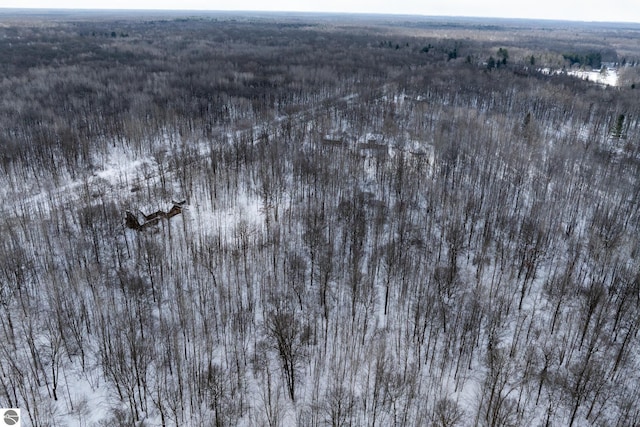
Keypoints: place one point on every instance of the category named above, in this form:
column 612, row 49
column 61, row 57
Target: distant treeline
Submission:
column 592, row 59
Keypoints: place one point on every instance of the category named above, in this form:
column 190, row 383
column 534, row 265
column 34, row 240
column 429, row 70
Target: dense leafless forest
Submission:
column 276, row 220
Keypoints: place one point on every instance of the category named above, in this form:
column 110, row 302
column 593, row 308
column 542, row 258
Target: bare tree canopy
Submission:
column 380, row 221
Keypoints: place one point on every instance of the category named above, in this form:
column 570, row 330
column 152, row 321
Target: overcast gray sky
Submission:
column 581, row 10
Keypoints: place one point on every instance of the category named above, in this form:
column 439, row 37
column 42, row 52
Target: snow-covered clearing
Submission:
column 605, row 76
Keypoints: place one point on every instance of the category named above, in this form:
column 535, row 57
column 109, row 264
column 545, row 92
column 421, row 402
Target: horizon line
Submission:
column 27, row 10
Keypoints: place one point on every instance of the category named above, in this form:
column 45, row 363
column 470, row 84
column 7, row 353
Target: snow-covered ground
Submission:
column 607, row 76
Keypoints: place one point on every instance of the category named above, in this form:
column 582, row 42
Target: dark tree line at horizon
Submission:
column 372, row 235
